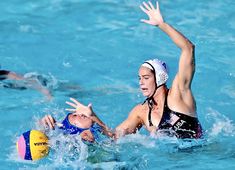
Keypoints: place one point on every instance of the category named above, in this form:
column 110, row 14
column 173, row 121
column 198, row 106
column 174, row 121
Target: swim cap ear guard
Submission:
column 160, row 70
column 69, row 128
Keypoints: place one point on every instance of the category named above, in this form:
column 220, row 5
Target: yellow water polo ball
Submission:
column 32, row 145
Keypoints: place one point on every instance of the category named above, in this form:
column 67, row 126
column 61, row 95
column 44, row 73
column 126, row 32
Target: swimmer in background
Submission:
column 172, row 111
column 87, row 125
column 24, row 82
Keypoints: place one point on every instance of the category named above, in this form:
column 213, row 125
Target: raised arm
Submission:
column 186, row 63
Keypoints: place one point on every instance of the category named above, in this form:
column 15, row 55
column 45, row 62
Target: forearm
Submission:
column 127, row 127
column 105, row 128
column 179, row 39
column 120, row 131
column 187, row 49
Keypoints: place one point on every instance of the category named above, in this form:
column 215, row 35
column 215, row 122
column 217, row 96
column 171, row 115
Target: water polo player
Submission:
column 171, row 111
column 19, row 82
column 83, row 122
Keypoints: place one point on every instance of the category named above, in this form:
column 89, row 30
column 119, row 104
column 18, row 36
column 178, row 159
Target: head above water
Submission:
column 154, row 73
column 74, row 123
column 159, row 69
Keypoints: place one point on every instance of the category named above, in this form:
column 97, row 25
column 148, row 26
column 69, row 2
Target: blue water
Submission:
column 91, row 50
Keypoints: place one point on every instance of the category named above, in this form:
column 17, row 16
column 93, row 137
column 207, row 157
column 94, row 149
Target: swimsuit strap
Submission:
column 166, row 111
column 151, row 102
column 165, row 104
column 150, row 105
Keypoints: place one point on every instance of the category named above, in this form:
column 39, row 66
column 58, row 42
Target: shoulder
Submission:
column 139, row 108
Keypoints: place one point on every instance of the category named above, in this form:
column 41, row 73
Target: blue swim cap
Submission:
column 69, row 128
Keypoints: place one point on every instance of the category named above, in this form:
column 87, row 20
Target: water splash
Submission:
column 221, row 125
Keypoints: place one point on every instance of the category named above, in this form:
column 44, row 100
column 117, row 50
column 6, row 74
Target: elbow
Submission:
column 189, row 51
column 192, row 47
column 189, row 46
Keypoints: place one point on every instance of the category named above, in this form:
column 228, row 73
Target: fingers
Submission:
column 75, row 101
column 71, row 104
column 89, row 105
column 157, row 6
column 48, row 120
column 143, row 9
column 71, row 110
column 145, row 21
column 79, row 108
column 146, row 6
column 151, row 5
column 51, row 122
column 75, row 105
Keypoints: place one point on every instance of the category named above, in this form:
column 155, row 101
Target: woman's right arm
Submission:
column 130, row 125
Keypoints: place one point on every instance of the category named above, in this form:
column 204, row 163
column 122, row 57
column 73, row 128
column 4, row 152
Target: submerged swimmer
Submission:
column 24, row 82
column 87, row 125
column 171, row 111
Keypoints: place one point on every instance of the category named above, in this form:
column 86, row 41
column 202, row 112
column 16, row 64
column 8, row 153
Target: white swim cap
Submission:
column 159, row 67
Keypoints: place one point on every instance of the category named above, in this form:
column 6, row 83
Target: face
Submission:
column 80, row 120
column 146, row 81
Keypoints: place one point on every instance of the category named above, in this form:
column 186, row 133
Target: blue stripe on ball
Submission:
column 27, row 143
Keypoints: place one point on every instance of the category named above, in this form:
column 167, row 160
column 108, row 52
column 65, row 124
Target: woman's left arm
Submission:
column 187, row 59
column 186, row 69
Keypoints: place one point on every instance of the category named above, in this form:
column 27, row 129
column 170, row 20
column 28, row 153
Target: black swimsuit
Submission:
column 177, row 124
column 3, row 74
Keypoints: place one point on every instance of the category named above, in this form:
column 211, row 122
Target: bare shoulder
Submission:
column 138, row 110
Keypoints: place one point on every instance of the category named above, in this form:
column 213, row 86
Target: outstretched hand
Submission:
column 80, row 108
column 154, row 14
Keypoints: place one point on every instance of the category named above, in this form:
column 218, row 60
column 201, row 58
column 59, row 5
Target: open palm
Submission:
column 80, row 108
column 154, row 14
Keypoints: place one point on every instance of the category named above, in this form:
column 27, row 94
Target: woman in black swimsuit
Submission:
column 170, row 110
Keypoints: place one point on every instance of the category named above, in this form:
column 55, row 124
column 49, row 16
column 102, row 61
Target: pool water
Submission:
column 91, row 50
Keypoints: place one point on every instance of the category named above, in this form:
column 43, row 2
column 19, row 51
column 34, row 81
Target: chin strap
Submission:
column 151, row 102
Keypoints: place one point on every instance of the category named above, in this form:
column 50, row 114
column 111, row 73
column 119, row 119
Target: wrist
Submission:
column 161, row 25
